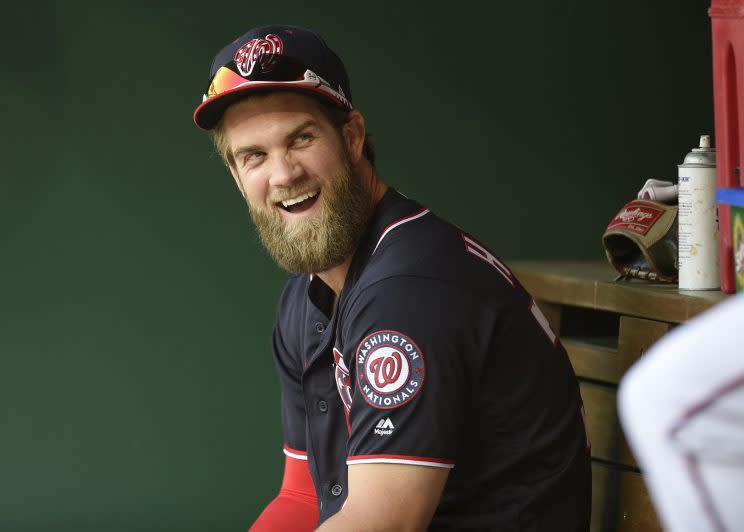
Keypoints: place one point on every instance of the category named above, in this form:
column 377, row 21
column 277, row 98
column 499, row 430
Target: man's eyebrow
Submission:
column 245, row 149
column 295, row 131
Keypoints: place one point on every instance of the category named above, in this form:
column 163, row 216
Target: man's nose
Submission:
column 285, row 171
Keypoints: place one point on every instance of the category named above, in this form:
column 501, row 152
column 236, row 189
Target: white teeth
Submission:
column 298, row 199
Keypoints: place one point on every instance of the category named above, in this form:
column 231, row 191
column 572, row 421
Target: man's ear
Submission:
column 236, row 177
column 355, row 132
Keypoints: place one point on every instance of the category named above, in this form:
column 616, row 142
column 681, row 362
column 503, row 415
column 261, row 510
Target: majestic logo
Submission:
column 385, row 427
column 343, row 382
column 636, row 216
column 390, row 369
column 261, row 51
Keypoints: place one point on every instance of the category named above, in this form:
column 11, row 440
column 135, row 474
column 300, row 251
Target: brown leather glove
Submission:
column 641, row 241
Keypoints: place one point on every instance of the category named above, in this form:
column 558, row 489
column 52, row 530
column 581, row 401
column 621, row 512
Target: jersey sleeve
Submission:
column 409, row 383
column 292, row 401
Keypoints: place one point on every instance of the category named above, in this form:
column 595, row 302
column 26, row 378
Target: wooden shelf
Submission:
column 591, row 284
column 593, row 360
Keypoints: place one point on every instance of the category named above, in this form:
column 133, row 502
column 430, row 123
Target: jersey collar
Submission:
column 392, row 211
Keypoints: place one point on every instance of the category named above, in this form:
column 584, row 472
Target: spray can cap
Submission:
column 704, row 156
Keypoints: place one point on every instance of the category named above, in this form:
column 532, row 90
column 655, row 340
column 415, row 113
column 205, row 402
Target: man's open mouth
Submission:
column 300, row 203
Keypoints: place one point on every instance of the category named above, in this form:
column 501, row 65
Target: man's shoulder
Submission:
column 294, row 292
column 428, row 236
column 436, row 249
column 431, row 262
column 290, row 317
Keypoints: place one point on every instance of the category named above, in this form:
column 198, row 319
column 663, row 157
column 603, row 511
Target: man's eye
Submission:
column 303, row 137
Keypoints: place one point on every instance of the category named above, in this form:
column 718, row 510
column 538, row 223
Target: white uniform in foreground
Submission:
column 682, row 408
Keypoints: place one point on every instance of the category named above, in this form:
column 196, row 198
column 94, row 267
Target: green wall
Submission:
column 137, row 390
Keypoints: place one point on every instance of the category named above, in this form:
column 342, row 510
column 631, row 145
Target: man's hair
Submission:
column 335, row 115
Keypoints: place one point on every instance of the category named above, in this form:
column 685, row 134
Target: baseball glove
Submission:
column 641, row 241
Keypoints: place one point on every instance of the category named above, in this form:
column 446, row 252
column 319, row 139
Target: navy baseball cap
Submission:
column 273, row 58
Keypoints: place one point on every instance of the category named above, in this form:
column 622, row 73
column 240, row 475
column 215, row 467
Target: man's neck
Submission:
column 336, row 276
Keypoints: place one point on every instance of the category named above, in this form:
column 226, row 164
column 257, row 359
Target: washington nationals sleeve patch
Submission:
column 390, row 369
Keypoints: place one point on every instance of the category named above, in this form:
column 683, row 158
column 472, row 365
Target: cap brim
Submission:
column 209, row 113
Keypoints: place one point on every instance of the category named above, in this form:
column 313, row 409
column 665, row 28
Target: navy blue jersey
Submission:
column 434, row 355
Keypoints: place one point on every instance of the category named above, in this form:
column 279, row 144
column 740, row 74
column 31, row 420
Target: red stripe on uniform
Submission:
column 399, row 457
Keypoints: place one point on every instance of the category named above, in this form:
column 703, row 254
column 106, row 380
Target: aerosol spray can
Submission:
column 698, row 220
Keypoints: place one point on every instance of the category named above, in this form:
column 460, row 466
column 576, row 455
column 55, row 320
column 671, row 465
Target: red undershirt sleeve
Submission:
column 295, row 507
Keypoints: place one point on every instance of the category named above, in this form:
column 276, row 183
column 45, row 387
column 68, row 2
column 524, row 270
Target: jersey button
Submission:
column 336, row 490
column 319, row 327
column 323, row 406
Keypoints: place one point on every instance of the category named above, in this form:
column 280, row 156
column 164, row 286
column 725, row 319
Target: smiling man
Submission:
column 421, row 386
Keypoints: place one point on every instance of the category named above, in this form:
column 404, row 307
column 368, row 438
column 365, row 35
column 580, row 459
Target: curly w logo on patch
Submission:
column 390, row 369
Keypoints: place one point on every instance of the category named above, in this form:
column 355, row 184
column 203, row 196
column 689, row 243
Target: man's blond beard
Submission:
column 325, row 240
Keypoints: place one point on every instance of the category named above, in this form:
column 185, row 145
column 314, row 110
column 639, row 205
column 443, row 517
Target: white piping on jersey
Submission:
column 295, row 455
column 399, row 223
column 353, row 461
column 482, row 253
